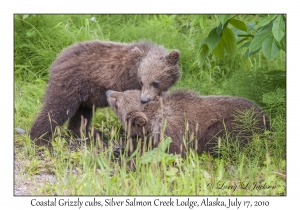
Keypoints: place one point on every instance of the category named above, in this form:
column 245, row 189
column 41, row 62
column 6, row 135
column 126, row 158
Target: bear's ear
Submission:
column 173, row 57
column 137, row 118
column 137, row 53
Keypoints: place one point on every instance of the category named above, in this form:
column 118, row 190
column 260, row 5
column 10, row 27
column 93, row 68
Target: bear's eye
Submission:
column 155, row 84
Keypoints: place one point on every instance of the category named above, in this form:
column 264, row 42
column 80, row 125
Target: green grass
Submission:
column 91, row 169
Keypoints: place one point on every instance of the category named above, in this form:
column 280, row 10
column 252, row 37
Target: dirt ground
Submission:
column 29, row 186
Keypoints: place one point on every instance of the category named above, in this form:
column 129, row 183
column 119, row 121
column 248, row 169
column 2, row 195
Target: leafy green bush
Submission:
column 267, row 34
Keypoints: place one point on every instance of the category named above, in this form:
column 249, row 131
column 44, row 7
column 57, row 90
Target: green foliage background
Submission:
column 241, row 55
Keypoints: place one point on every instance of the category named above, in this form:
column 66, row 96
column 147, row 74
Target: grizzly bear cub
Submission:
column 201, row 120
column 82, row 73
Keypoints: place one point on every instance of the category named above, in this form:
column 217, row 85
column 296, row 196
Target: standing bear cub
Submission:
column 83, row 72
column 201, row 120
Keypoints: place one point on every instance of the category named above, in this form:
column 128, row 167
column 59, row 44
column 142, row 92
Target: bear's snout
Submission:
column 108, row 92
column 145, row 100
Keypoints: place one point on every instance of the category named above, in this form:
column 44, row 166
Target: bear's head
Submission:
column 157, row 72
column 129, row 109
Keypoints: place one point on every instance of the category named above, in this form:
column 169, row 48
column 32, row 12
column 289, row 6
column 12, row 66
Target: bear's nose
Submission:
column 108, row 92
column 145, row 100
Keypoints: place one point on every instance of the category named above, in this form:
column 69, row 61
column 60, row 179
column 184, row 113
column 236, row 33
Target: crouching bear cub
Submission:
column 208, row 117
column 83, row 72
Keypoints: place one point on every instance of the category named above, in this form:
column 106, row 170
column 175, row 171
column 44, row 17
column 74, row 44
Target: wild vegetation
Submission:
column 238, row 55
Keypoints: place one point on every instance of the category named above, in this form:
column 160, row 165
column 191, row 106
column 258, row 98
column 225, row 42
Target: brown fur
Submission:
column 83, row 72
column 181, row 110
